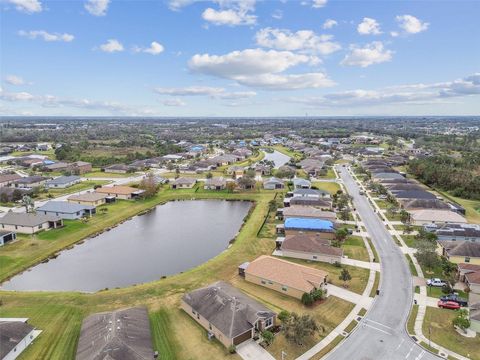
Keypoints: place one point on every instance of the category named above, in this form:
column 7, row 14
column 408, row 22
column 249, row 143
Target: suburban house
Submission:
column 387, row 176
column 29, row 182
column 311, row 193
column 120, row 192
column 184, row 183
column 29, row 223
column 308, row 247
column 89, row 198
column 235, row 170
column 66, row 210
column 323, row 203
column 470, row 275
column 273, row 184
column 81, row 167
column 77, row 167
column 10, row 194
column 300, row 211
column 284, row 276
column 215, row 183
column 418, row 204
column 118, row 169
column 323, row 228
column 262, row 170
column 461, row 251
column 299, row 183
column 62, row 182
column 427, row 216
column 116, row 335
column 7, row 236
column 57, row 166
column 414, row 194
column 227, row 313
column 8, row 179
column 16, row 334
column 456, row 232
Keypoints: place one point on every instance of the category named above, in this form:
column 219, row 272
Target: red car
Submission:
column 448, row 305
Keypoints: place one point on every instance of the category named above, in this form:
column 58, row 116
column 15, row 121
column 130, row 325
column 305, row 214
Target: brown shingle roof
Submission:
column 89, row 196
column 293, row 275
column 310, row 244
column 461, row 248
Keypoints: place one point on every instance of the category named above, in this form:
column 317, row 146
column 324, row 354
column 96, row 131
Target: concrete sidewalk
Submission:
column 350, row 296
column 362, row 264
column 424, row 300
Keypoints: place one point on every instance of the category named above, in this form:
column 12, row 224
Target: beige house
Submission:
column 284, row 276
column 305, row 212
column 120, row 191
column 29, row 223
column 461, row 251
column 470, row 275
column 227, row 313
column 429, row 216
column 309, row 247
column 89, row 198
column 184, row 183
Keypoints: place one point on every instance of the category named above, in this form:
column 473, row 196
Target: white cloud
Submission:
column 369, row 26
column 277, row 14
column 155, row 48
column 410, row 24
column 303, row 40
column 373, row 53
column 111, row 46
column 174, row 102
column 190, row 91
column 46, row 36
column 329, row 23
column 214, row 92
column 260, row 68
column 14, row 80
column 319, row 3
column 231, row 13
column 405, row 94
column 97, row 7
column 16, row 96
column 27, row 6
column 176, row 5
column 287, row 81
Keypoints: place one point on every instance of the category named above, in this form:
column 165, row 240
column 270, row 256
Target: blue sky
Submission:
column 239, row 57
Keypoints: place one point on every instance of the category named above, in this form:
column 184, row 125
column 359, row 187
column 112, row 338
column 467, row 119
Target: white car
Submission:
column 436, row 282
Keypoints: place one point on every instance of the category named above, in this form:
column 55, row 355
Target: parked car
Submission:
column 455, row 298
column 448, row 305
column 361, row 193
column 436, row 282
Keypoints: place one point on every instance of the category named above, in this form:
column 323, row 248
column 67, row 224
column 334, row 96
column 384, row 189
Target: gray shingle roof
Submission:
column 227, row 308
column 414, row 194
column 461, row 248
column 11, row 333
column 61, row 180
column 27, row 219
column 118, row 335
column 64, row 207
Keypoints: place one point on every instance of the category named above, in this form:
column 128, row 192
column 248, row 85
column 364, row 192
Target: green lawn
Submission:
column 382, row 204
column 376, row 284
column 411, row 320
column 328, row 348
column 293, row 154
column 101, row 174
column 413, row 270
column 436, row 292
column 162, row 334
column 374, row 250
column 332, row 187
column 439, row 321
column 354, row 248
column 329, row 175
column 409, row 240
column 472, row 207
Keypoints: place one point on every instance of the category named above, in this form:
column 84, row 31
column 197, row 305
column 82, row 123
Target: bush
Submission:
column 318, row 294
column 232, row 349
column 337, row 264
column 307, row 299
column 283, row 315
column 268, row 337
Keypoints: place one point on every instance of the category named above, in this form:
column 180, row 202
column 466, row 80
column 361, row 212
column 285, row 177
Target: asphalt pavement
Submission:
column 382, row 332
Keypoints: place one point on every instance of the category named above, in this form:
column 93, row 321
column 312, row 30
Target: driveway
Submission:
column 250, row 350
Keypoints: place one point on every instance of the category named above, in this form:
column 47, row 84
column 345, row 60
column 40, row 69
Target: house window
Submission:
column 314, row 257
column 284, row 288
column 268, row 322
column 193, row 312
column 467, row 259
column 210, row 326
column 40, row 226
column 198, row 316
column 264, row 282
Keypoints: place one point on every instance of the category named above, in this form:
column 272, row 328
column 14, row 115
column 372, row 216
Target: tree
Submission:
column 462, row 320
column 426, row 246
column 149, row 185
column 404, row 216
column 341, row 234
column 283, row 316
column 28, row 203
column 272, row 205
column 297, row 328
column 318, row 294
column 209, row 175
column 345, row 277
column 268, row 337
column 4, row 197
column 246, row 182
column 231, row 186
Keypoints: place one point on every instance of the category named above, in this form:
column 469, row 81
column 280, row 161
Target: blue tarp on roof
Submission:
column 309, row 224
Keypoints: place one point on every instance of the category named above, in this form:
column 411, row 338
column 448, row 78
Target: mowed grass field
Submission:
column 175, row 334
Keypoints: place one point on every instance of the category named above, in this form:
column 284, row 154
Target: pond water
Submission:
column 172, row 238
column 277, row 157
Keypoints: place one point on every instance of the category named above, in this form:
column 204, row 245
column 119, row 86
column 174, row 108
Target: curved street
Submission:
column 382, row 334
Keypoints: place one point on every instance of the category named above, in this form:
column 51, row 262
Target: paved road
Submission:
column 382, row 334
